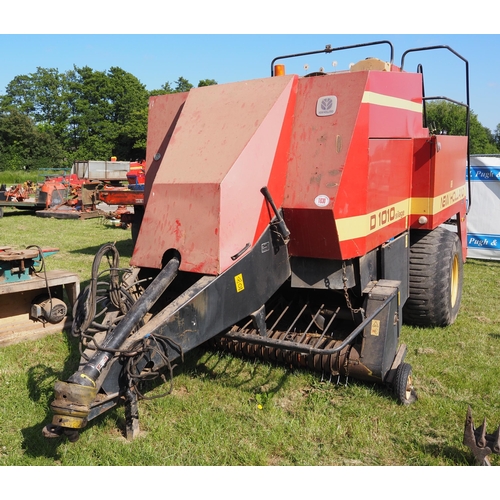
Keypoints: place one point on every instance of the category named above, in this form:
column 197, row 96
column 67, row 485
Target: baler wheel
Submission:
column 403, row 385
column 436, row 274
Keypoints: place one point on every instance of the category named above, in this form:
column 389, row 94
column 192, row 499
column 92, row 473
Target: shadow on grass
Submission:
column 256, row 375
column 18, row 211
column 451, row 453
column 124, row 247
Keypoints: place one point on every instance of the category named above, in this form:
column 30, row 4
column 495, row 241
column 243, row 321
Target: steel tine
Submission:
column 481, row 431
column 496, row 440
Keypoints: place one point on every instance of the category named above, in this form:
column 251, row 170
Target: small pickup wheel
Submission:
column 403, row 385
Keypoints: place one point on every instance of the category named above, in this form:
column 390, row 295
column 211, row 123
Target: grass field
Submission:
column 231, row 411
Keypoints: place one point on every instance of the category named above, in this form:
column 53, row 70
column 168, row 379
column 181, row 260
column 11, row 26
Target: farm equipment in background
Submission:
column 294, row 219
column 52, row 191
column 31, row 297
column 130, row 195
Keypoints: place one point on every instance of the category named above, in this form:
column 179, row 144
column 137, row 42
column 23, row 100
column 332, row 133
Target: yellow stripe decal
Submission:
column 360, row 226
column 390, row 102
column 363, row 225
column 432, row 206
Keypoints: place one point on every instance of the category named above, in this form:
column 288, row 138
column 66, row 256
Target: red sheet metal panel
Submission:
column 164, row 111
column 206, row 202
column 320, row 143
column 439, row 182
column 384, row 213
column 348, row 186
column 395, row 105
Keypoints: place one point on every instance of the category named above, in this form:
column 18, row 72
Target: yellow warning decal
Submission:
column 391, row 102
column 375, row 331
column 238, row 280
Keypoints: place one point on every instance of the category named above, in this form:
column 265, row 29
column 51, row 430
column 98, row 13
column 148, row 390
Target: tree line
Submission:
column 49, row 119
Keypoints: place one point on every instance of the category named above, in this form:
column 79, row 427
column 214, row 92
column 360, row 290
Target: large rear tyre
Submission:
column 436, row 276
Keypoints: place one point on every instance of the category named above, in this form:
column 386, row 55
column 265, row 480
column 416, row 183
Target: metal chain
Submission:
column 346, row 293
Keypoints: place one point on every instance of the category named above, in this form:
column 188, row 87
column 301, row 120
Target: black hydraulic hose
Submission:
column 86, row 304
column 88, row 375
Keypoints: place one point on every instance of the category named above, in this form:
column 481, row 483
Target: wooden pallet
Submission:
column 15, row 305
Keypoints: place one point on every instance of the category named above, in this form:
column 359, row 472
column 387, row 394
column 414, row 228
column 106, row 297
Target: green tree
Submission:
column 444, row 117
column 497, row 136
column 43, row 97
column 109, row 114
column 181, row 85
column 76, row 115
column 206, row 83
column 24, row 145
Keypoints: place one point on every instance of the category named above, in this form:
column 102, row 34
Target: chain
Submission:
column 346, row 293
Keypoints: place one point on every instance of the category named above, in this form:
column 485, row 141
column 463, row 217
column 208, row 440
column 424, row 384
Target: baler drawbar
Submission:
column 293, row 219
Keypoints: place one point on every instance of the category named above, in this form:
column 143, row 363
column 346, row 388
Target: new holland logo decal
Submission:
column 326, row 105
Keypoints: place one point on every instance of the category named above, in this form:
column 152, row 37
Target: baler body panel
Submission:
column 439, row 188
column 349, row 177
column 163, row 114
column 229, row 142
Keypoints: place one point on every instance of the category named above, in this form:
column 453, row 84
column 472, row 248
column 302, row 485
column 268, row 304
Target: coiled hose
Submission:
column 85, row 308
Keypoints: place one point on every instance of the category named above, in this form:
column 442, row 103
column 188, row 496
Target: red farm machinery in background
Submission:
column 297, row 219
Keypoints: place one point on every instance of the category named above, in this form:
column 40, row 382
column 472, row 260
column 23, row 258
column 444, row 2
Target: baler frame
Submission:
column 318, row 281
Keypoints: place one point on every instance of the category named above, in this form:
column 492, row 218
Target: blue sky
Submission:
column 156, row 59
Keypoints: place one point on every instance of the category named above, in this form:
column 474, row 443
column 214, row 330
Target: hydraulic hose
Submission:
column 90, row 372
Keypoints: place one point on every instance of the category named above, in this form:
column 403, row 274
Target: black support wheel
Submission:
column 436, row 275
column 403, row 385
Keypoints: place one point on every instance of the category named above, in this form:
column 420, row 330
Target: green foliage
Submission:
column 50, row 119
column 206, row 83
column 444, row 117
column 23, row 145
column 181, row 85
column 109, row 114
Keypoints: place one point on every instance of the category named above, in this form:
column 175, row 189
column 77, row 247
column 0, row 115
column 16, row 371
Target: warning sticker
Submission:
column 238, row 280
column 375, row 330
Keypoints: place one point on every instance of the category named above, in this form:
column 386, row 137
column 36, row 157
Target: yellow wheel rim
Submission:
column 454, row 280
column 409, row 387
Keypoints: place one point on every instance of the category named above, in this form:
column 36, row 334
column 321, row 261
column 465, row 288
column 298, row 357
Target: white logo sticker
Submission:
column 326, row 105
column 322, row 200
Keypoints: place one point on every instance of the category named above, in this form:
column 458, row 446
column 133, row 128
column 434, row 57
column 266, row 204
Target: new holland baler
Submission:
column 295, row 219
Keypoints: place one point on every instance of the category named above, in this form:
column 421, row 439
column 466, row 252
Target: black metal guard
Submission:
column 328, row 49
column 467, row 106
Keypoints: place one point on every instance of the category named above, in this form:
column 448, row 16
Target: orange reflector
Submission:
column 279, row 69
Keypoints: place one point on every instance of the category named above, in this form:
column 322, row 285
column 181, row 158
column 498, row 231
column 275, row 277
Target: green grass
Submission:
column 230, row 411
column 14, row 177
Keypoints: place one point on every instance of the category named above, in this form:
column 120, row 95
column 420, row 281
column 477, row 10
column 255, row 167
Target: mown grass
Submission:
column 230, row 411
